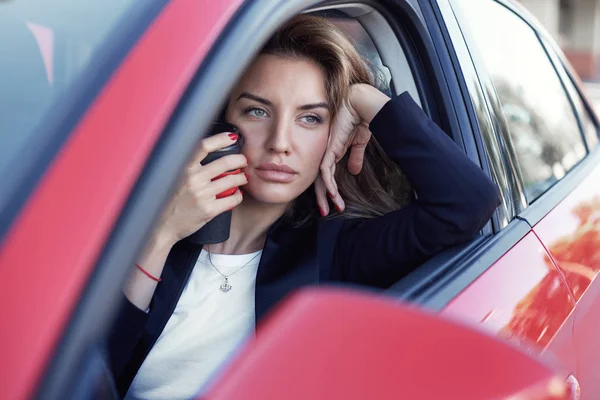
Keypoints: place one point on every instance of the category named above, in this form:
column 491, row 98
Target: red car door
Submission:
column 551, row 153
column 522, row 298
column 571, row 232
column 511, row 287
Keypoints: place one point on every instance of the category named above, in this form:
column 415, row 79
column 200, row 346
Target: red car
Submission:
column 101, row 103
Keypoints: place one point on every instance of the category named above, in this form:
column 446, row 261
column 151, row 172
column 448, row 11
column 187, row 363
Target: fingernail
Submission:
column 322, row 212
column 233, row 136
column 248, row 179
column 330, row 195
column 338, row 208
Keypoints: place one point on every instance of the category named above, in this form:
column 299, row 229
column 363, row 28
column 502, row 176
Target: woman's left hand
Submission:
column 350, row 130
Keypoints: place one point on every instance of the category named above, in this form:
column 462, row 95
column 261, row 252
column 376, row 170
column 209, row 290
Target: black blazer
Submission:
column 455, row 199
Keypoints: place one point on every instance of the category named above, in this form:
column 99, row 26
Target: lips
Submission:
column 278, row 173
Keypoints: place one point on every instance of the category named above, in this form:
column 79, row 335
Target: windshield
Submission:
column 45, row 47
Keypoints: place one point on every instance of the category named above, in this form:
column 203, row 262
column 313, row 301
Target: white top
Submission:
column 204, row 330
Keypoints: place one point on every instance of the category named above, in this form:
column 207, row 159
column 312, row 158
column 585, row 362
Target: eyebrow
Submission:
column 307, row 107
column 266, row 102
column 255, row 98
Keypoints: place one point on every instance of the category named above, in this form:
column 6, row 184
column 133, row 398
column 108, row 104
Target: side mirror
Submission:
column 335, row 344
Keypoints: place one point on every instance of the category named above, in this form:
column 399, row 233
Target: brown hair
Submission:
column 380, row 187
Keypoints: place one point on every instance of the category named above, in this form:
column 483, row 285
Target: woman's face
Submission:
column 281, row 108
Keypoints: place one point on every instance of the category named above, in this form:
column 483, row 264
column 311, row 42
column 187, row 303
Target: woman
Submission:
column 305, row 100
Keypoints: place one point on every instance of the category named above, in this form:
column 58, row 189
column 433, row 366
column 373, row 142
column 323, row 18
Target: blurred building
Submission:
column 576, row 26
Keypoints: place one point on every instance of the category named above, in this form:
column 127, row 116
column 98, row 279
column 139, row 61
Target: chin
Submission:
column 274, row 193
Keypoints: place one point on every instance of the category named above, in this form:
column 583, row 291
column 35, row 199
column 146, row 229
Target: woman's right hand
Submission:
column 195, row 203
column 191, row 207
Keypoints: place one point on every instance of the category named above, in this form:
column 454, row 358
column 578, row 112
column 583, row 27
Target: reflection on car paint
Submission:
column 578, row 254
column 571, row 232
column 529, row 310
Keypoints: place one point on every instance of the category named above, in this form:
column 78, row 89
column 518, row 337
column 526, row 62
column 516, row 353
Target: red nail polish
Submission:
column 233, row 136
column 322, row 212
column 337, row 208
column 330, row 195
column 248, row 179
column 227, row 193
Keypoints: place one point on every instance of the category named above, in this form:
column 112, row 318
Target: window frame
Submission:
column 435, row 283
column 538, row 209
column 535, row 210
column 430, row 70
column 488, row 125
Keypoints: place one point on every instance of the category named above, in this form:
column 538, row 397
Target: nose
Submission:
column 280, row 139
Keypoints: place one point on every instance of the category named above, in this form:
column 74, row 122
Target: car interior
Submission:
column 376, row 42
column 401, row 58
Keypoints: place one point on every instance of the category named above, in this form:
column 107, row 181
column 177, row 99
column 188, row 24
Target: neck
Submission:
column 250, row 223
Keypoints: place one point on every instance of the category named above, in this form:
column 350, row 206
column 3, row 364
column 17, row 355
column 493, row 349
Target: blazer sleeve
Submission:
column 125, row 334
column 454, row 201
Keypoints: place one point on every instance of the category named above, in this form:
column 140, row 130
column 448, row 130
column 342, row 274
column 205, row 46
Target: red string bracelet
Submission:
column 148, row 274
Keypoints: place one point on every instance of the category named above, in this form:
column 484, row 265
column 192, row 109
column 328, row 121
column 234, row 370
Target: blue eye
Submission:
column 312, row 119
column 256, row 112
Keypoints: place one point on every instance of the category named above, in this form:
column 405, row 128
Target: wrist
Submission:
column 159, row 244
column 162, row 236
column 367, row 101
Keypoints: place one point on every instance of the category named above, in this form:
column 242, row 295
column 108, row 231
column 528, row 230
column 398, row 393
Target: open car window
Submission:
column 377, row 42
column 365, row 46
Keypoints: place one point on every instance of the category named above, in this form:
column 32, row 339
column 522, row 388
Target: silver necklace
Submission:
column 226, row 287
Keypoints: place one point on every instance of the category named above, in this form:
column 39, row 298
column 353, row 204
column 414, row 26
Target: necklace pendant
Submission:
column 225, row 287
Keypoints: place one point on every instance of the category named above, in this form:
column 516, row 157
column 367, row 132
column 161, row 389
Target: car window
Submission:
column 590, row 129
column 542, row 125
column 365, row 46
column 51, row 42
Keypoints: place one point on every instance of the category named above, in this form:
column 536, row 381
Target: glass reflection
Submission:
column 541, row 122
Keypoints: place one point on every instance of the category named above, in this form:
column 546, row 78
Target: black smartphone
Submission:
column 217, row 229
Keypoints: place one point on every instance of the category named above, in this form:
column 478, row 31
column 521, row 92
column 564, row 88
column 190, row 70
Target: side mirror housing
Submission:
column 336, row 344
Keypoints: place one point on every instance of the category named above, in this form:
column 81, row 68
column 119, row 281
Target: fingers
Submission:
column 356, row 158
column 226, row 183
column 338, row 202
column 212, row 143
column 357, row 151
column 224, row 164
column 327, row 170
column 321, row 196
column 228, row 203
column 219, row 206
column 327, row 174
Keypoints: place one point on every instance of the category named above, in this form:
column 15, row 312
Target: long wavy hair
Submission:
column 380, row 187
